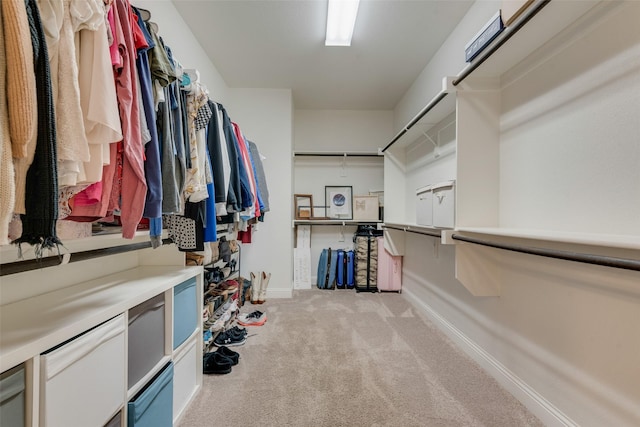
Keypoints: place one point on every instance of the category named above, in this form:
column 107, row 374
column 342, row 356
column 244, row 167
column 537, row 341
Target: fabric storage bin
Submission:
column 146, row 337
column 185, row 311
column 153, row 406
column 116, row 421
column 185, row 376
column 444, row 204
column 94, row 361
column 12, row 397
column 424, row 206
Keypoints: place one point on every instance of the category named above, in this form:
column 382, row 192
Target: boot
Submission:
column 255, row 288
column 264, row 282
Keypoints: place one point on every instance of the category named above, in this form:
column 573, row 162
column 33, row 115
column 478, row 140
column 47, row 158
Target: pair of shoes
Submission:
column 216, row 363
column 259, row 286
column 256, row 318
column 233, row 356
column 229, row 338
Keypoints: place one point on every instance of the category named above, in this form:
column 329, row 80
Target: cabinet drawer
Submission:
column 185, row 376
column 185, row 311
column 93, row 361
column 146, row 337
column 12, row 397
column 153, row 406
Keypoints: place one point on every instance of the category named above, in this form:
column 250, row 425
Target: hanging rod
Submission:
column 607, row 261
column 328, row 154
column 417, row 118
column 506, row 35
column 52, row 261
column 408, row 230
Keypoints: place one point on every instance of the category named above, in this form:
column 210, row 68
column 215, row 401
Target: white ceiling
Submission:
column 280, row 44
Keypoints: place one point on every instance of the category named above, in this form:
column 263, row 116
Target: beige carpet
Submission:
column 341, row 358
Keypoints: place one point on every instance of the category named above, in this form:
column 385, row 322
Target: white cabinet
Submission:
column 93, row 361
column 86, row 347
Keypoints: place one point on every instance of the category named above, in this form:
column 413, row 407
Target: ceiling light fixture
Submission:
column 341, row 18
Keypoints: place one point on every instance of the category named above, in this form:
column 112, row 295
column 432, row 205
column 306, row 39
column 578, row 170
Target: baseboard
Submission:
column 535, row 402
column 279, row 293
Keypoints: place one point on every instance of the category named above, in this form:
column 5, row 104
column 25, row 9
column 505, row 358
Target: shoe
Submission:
column 229, row 354
column 229, row 339
column 264, row 282
column 239, row 331
column 256, row 318
column 215, row 363
column 255, row 288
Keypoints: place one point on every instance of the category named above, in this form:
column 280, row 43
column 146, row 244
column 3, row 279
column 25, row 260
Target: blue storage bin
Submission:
column 153, row 407
column 12, row 397
column 185, row 313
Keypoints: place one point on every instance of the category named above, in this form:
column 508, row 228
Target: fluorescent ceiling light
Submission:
column 341, row 18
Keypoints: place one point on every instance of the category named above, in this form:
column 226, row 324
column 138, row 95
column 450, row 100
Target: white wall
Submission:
column 266, row 118
column 185, row 48
column 563, row 337
column 338, row 131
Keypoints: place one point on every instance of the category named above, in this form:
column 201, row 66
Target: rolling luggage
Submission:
column 341, row 279
column 389, row 269
column 350, row 268
column 323, row 269
column 327, row 269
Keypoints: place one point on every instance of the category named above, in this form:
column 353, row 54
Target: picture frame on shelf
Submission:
column 303, row 206
column 365, row 208
column 339, row 201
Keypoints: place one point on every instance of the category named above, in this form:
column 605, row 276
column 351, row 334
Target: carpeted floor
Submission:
column 341, row 358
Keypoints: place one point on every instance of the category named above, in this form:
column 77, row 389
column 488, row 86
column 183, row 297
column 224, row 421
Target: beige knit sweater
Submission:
column 6, row 168
column 20, row 79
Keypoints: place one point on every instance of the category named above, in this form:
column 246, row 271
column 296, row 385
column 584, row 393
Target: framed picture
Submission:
column 303, row 205
column 339, row 202
column 365, row 208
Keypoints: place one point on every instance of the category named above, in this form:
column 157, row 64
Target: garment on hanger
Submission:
column 260, row 176
column 41, row 187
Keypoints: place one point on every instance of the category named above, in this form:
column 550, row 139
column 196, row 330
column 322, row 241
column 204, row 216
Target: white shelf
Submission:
column 10, row 253
column 31, row 326
column 415, row 228
column 591, row 239
column 515, row 44
column 438, row 108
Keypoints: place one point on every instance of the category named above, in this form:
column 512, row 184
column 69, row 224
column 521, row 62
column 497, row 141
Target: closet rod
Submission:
column 417, row 118
column 52, row 261
column 412, row 231
column 606, row 261
column 337, row 154
column 508, row 33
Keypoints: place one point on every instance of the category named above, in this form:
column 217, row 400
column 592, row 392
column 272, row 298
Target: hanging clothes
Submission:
column 95, row 77
column 72, row 144
column 260, row 176
column 133, row 187
column 41, row 187
column 217, row 147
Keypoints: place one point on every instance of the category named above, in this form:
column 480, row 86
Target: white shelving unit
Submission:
column 39, row 331
column 543, row 149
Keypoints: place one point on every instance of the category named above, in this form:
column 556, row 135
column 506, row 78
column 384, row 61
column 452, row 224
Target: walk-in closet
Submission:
column 229, row 212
